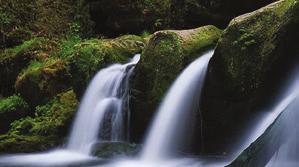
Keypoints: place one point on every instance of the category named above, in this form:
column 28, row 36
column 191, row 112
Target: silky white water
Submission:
column 167, row 133
column 172, row 119
column 101, row 112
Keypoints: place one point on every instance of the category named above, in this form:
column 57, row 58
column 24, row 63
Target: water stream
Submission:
column 102, row 115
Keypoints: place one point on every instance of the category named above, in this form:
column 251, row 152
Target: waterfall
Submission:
column 102, row 115
column 101, row 112
column 166, row 134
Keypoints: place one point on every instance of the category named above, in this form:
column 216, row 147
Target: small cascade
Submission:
column 101, row 113
column 166, row 134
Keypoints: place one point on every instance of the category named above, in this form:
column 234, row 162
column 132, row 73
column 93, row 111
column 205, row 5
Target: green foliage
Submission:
column 5, row 20
column 48, row 118
column 42, row 80
column 12, row 104
column 86, row 57
column 68, row 46
column 46, row 129
column 18, row 50
column 11, row 109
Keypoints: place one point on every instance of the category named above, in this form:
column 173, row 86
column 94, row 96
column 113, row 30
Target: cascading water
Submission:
column 101, row 113
column 167, row 131
column 101, row 110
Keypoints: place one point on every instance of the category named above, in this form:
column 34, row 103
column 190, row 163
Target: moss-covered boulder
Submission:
column 40, row 81
column 11, row 109
column 165, row 56
column 13, row 60
column 251, row 60
column 45, row 130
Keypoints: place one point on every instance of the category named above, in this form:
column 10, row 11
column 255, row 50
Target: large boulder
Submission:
column 251, row 60
column 42, row 80
column 165, row 56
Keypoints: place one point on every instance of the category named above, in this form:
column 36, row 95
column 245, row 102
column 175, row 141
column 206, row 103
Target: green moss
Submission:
column 40, row 81
column 13, row 60
column 12, row 104
column 252, row 38
column 87, row 57
column 18, row 50
column 21, row 144
column 46, row 129
column 11, row 109
column 168, row 52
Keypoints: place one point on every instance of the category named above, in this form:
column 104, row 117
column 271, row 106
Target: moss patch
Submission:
column 13, row 60
column 43, row 131
column 11, row 109
column 40, row 81
column 87, row 57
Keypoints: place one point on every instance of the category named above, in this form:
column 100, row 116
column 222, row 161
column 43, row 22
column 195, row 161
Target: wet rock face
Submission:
column 251, row 60
column 165, row 56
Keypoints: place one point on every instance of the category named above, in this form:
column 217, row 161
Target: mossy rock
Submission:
column 11, row 109
column 115, row 149
column 165, row 56
column 89, row 56
column 13, row 60
column 45, row 130
column 42, row 80
column 252, row 58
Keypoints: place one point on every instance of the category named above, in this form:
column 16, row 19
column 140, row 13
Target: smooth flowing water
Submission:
column 166, row 134
column 103, row 115
column 168, row 131
column 101, row 112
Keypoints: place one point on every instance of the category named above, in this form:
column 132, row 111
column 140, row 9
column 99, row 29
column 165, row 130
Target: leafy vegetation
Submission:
column 45, row 129
column 11, row 109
